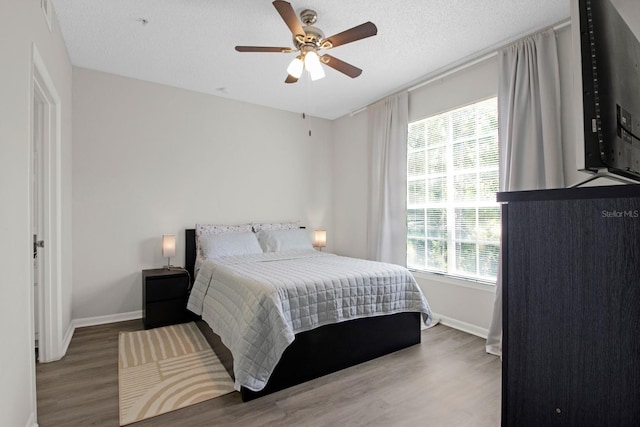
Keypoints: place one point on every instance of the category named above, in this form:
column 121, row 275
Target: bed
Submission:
column 275, row 311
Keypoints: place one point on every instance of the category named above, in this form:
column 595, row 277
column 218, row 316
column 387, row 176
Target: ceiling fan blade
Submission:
column 360, row 32
column 290, row 18
column 290, row 79
column 341, row 66
column 263, row 49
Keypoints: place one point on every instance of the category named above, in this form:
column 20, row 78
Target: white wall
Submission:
column 350, row 192
column 151, row 159
column 465, row 305
column 22, row 25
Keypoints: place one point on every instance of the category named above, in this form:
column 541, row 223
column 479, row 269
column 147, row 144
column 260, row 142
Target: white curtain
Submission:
column 529, row 131
column 388, row 122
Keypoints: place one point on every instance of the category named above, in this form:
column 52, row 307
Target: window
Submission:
column 453, row 219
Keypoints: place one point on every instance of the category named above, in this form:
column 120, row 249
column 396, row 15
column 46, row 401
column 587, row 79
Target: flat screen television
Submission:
column 610, row 92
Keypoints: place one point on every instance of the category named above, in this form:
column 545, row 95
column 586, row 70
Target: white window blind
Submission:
column 453, row 220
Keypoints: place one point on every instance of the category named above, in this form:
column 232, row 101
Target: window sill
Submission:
column 447, row 280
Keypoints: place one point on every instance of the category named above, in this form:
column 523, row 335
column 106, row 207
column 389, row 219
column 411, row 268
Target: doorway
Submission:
column 45, row 214
column 40, row 107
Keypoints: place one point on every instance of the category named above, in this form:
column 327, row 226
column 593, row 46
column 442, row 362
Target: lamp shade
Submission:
column 168, row 245
column 313, row 66
column 295, row 68
column 320, row 239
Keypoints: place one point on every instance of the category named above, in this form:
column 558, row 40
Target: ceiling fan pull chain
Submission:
column 304, row 117
column 308, row 97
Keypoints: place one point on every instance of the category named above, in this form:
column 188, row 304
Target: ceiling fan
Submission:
column 308, row 40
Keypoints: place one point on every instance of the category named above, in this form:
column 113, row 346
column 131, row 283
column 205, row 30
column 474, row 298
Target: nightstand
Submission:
column 164, row 297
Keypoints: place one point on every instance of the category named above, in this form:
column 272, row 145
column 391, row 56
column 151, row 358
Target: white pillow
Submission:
column 284, row 240
column 205, row 229
column 229, row 244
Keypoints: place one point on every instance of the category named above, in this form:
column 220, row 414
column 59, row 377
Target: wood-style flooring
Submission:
column 447, row 380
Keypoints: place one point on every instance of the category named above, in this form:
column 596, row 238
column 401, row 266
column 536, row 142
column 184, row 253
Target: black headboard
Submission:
column 190, row 251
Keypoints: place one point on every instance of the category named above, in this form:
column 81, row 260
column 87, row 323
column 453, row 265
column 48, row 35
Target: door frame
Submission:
column 50, row 296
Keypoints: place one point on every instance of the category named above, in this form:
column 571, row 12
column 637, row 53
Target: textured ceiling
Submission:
column 190, row 44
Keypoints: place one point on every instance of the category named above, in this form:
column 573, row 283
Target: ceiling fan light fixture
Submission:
column 313, row 66
column 295, row 67
column 317, row 74
column 309, row 39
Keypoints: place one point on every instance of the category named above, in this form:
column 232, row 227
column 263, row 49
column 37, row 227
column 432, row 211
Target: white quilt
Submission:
column 257, row 303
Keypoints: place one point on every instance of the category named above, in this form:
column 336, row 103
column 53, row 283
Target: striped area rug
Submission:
column 164, row 369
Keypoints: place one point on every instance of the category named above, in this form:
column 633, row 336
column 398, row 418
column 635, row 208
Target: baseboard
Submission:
column 94, row 321
column 32, row 422
column 462, row 326
column 123, row 317
column 67, row 338
column 109, row 318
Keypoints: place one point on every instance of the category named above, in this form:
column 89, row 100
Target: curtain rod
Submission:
column 466, row 63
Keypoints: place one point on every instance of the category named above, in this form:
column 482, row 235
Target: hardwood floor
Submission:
column 447, row 380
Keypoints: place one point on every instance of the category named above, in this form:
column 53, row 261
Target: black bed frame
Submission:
column 323, row 350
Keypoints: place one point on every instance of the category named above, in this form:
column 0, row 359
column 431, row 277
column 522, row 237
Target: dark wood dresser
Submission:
column 571, row 307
